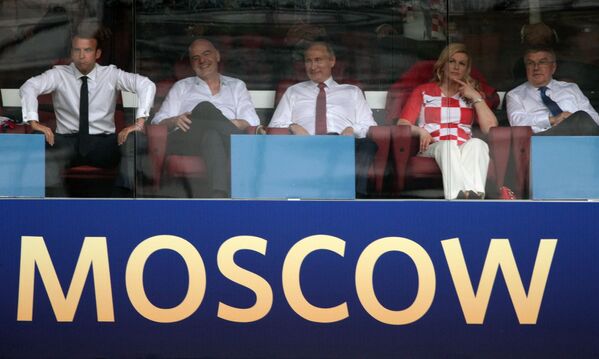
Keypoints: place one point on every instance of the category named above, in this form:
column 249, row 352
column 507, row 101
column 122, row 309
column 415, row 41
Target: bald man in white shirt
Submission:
column 344, row 111
column 202, row 112
column 548, row 106
column 84, row 95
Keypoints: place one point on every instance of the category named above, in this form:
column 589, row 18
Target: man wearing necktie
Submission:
column 84, row 96
column 548, row 106
column 321, row 106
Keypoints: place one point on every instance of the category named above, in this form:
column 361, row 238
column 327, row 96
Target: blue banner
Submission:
column 298, row 279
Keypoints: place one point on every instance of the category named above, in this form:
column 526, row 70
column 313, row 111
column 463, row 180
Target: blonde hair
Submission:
column 446, row 54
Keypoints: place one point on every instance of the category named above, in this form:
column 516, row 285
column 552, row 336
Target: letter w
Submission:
column 474, row 305
column 94, row 254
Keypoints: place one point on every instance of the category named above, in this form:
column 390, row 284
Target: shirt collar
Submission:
column 78, row 74
column 329, row 82
column 223, row 80
column 550, row 85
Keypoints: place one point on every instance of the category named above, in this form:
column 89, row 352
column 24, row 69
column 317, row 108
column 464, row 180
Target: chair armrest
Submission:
column 401, row 147
column 277, row 131
column 157, row 137
column 381, row 135
column 521, row 153
column 499, row 140
column 251, row 130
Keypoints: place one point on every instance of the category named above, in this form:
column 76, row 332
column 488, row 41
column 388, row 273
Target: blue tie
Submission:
column 551, row 105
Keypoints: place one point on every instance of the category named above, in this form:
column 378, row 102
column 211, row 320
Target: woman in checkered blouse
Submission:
column 441, row 113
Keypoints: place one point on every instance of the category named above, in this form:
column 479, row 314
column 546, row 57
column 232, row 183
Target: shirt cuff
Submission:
column 542, row 122
column 30, row 116
column 141, row 113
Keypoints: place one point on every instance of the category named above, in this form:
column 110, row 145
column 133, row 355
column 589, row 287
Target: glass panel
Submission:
column 262, row 43
column 497, row 34
column 386, row 48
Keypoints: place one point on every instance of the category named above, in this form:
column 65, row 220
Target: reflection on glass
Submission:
column 386, row 48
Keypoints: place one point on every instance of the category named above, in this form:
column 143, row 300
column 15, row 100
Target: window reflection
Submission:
column 381, row 45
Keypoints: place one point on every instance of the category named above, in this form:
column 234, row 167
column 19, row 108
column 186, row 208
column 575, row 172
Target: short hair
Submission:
column 318, row 42
column 532, row 50
column 200, row 39
column 92, row 30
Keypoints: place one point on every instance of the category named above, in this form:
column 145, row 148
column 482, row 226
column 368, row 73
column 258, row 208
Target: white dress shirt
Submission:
column 104, row 82
column 525, row 107
column 233, row 99
column 346, row 107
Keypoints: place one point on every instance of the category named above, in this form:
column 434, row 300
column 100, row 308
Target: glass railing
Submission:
column 390, row 50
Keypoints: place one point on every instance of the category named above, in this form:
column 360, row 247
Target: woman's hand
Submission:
column 425, row 139
column 467, row 91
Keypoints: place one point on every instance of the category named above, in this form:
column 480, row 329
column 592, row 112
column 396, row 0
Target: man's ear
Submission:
column 98, row 53
column 217, row 56
column 333, row 60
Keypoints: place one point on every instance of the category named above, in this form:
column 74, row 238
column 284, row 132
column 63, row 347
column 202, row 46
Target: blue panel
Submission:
column 564, row 167
column 567, row 325
column 22, row 165
column 307, row 167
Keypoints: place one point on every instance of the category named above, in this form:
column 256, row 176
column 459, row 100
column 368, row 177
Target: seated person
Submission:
column 203, row 111
column 322, row 106
column 84, row 94
column 441, row 113
column 421, row 72
column 548, row 106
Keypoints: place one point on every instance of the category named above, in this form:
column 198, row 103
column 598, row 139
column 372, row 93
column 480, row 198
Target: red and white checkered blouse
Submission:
column 445, row 118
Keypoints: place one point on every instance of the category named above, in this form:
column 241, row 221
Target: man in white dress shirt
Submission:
column 322, row 106
column 550, row 107
column 203, row 111
column 84, row 96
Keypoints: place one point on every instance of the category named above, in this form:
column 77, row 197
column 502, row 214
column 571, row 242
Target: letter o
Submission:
column 134, row 279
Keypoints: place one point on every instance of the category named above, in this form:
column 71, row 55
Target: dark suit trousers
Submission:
column 208, row 137
column 365, row 152
column 578, row 124
column 104, row 152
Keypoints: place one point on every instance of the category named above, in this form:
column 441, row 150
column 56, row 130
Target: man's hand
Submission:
column 137, row 126
column 296, row 129
column 241, row 124
column 48, row 134
column 348, row 131
column 557, row 119
column 182, row 122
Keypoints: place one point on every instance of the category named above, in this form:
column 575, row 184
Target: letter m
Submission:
column 94, row 254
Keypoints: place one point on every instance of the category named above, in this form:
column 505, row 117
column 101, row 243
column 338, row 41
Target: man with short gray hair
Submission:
column 548, row 106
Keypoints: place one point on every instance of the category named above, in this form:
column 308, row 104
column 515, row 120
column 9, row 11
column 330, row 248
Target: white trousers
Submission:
column 464, row 167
